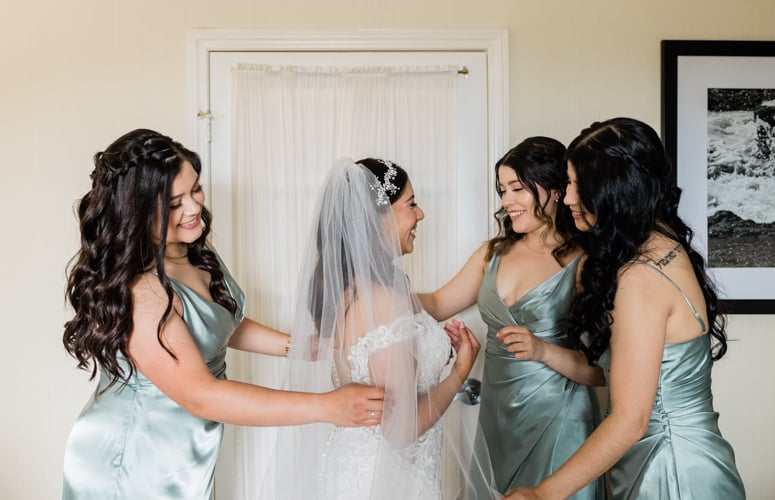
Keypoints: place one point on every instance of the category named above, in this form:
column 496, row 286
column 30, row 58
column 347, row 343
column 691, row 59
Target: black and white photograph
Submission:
column 741, row 177
column 718, row 110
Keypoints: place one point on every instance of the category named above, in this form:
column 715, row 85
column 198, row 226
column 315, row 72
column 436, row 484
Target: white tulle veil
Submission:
column 352, row 282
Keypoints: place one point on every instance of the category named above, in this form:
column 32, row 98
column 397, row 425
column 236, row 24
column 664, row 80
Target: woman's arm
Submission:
column 187, row 380
column 394, row 368
column 433, row 404
column 570, row 363
column 640, row 314
column 460, row 292
column 252, row 336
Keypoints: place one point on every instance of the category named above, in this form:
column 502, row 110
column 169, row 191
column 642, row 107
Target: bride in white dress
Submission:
column 358, row 321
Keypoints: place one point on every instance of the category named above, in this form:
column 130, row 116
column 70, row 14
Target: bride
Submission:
column 358, row 321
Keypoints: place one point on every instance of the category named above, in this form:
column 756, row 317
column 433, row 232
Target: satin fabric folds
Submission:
column 134, row 442
column 532, row 417
column 682, row 454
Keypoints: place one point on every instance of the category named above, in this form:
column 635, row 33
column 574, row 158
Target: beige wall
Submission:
column 77, row 74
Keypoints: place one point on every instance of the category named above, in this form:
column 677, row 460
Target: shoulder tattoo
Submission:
column 672, row 254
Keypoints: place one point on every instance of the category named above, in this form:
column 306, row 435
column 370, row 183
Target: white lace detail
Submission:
column 347, row 466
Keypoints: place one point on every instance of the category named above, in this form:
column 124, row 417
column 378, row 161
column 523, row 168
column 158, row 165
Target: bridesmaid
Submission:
column 155, row 309
column 650, row 310
column 536, row 404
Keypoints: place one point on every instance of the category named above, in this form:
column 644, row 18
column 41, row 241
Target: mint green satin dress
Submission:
column 533, row 418
column 135, row 443
column 682, row 454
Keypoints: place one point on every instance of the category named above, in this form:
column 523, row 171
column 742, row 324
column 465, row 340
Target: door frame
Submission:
column 494, row 42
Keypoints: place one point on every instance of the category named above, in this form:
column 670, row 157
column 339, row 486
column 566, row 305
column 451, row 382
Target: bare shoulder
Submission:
column 478, row 259
column 146, row 288
column 655, row 252
column 149, row 306
column 149, row 298
column 661, row 250
column 637, row 276
column 481, row 252
column 646, row 286
column 382, row 306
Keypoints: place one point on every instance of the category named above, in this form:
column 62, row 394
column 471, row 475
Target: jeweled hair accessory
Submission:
column 387, row 185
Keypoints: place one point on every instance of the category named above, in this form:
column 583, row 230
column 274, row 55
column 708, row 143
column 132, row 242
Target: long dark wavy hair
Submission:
column 131, row 184
column 537, row 161
column 624, row 179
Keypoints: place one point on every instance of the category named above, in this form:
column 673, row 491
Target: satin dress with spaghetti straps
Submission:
column 533, row 418
column 134, row 442
column 682, row 454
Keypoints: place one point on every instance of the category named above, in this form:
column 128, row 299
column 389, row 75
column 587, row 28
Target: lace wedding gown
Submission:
column 358, row 463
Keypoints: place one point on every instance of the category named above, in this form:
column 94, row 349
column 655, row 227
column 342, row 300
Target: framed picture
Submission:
column 718, row 125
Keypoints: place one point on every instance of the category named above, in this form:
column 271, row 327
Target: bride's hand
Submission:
column 466, row 346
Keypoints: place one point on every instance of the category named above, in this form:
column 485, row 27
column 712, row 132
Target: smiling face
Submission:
column 581, row 217
column 520, row 203
column 407, row 214
column 185, row 210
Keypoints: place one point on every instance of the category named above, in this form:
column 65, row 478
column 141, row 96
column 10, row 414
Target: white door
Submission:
column 479, row 145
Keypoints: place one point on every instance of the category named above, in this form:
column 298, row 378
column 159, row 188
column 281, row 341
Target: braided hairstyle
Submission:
column 131, row 184
column 624, row 179
column 537, row 161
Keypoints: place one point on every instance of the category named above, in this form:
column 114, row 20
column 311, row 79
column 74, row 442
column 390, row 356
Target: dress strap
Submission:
column 691, row 306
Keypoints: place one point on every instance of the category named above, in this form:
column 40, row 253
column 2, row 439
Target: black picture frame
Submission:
column 689, row 69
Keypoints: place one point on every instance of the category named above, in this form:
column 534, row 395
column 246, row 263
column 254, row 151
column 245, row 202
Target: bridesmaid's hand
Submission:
column 522, row 343
column 466, row 346
column 355, row 405
column 522, row 494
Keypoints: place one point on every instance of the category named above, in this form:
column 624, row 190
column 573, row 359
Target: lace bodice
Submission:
column 432, row 346
column 355, row 460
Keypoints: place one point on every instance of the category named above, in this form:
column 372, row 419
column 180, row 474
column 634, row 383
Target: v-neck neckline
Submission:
column 497, row 264
column 199, row 296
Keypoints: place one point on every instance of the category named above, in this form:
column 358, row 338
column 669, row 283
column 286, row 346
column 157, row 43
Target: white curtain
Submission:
column 289, row 125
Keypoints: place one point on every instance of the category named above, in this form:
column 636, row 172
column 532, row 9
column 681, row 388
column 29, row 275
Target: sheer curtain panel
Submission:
column 289, row 125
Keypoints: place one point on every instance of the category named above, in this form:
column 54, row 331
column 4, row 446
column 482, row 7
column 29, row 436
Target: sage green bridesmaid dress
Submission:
column 533, row 418
column 133, row 442
column 682, row 454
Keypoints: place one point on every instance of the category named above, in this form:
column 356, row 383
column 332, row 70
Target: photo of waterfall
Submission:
column 741, row 177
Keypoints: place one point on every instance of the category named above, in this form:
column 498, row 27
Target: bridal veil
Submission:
column 357, row 320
